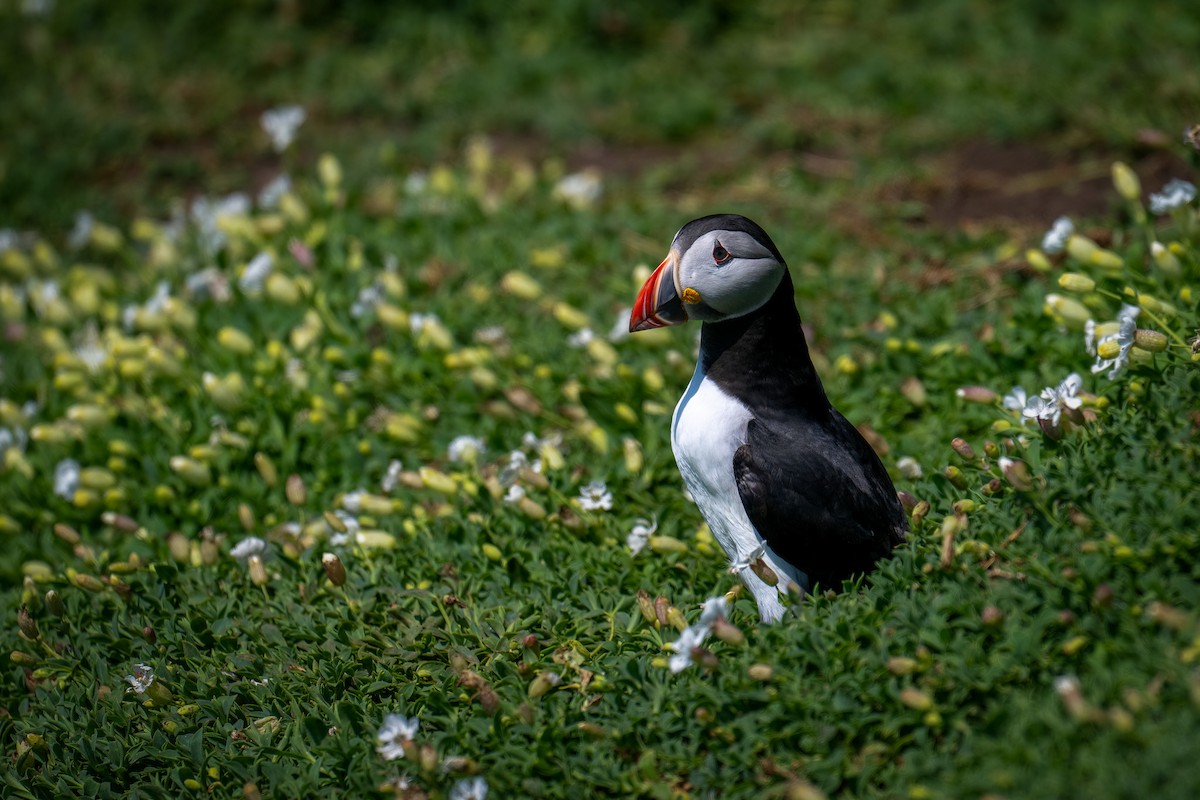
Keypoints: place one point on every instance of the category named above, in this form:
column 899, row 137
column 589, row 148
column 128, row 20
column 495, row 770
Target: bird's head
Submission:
column 719, row 267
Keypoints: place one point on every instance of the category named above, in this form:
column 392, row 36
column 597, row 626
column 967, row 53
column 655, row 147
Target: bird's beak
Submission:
column 658, row 303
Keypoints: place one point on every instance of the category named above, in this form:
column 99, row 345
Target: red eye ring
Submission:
column 720, row 254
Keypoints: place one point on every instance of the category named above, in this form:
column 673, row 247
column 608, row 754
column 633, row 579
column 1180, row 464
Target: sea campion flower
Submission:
column 641, row 533
column 66, row 478
column 690, row 639
column 581, row 338
column 141, row 679
column 1175, row 194
column 909, row 467
column 470, row 789
column 579, row 189
column 256, row 272
column 465, row 449
column 81, row 234
column 392, row 476
column 1122, row 340
column 515, row 494
column 396, row 731
column 250, row 546
column 281, row 124
column 270, row 194
column 1016, row 399
column 595, row 497
column 1055, row 240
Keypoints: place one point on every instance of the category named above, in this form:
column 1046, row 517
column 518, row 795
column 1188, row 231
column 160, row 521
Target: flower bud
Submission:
column 543, row 683
column 191, row 470
column 1037, row 260
column 992, row 487
column 491, row 552
column 1071, row 311
column 246, row 517
column 179, row 546
column 902, row 665
column 727, row 632
column 266, row 469
column 295, row 491
column 1165, row 258
column 666, row 544
column 1126, row 182
column 760, row 672
column 907, row 501
column 965, row 506
column 54, row 603
column 919, row 512
column 991, row 616
column 1076, row 282
column 438, row 481
column 955, row 476
column 916, row 699
column 66, row 533
column 88, row 582
column 676, row 619
column 334, row 570
column 963, row 448
column 1156, row 306
column 646, row 607
column 258, row 570
column 27, row 624
column 661, row 604
column 1151, row 341
column 1016, row 472
column 520, row 285
column 121, row 522
column 235, row 341
column 632, row 449
column 977, row 394
column 374, row 540
column 1083, row 249
column 765, row 573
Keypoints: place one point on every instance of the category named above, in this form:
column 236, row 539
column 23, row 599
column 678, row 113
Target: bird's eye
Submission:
column 720, row 254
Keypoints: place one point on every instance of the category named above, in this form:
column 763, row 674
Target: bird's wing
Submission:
column 819, row 496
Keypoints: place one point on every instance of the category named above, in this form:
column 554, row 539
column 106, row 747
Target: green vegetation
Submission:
column 200, row 400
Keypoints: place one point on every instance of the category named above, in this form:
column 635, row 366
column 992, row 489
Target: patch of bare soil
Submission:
column 984, row 183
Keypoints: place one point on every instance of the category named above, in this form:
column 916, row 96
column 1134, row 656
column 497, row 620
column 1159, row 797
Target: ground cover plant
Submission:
column 353, row 485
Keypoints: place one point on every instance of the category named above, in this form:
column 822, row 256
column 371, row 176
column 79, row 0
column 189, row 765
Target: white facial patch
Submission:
column 736, row 287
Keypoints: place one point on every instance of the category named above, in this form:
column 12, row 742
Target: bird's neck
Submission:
column 763, row 356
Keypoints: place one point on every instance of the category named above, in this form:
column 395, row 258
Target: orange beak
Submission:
column 658, row 303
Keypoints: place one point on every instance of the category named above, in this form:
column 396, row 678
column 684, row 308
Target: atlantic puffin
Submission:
column 790, row 489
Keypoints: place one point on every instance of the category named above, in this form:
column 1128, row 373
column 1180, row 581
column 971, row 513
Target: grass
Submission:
column 1038, row 637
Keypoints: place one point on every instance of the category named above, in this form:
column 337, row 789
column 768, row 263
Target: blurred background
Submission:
column 941, row 111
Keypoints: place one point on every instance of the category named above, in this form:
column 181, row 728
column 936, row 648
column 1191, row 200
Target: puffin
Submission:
column 795, row 496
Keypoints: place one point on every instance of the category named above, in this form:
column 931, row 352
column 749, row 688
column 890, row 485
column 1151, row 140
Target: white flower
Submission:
column 66, row 478
column 416, row 182
column 492, row 336
column 909, row 467
column 208, row 282
column 207, row 214
column 1175, row 194
column 281, row 125
column 581, row 338
column 691, row 638
column 713, row 608
column 91, row 351
column 595, row 497
column 350, row 522
column 620, row 328
column 579, row 189
column 141, row 679
column 1015, row 400
column 271, row 193
column 470, row 789
column 1089, row 337
column 395, row 731
column 515, row 494
column 13, row 438
column 1124, row 337
column 81, row 234
column 417, row 322
column 465, row 448
column 250, row 546
column 641, row 533
column 368, row 298
column 256, row 272
column 1055, row 240
column 392, row 477
column 352, row 501
column 511, row 473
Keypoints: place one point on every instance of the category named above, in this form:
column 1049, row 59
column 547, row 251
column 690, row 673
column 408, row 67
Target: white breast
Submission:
column 707, row 428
